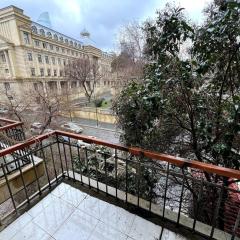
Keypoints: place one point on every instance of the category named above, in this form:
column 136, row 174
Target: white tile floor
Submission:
column 69, row 214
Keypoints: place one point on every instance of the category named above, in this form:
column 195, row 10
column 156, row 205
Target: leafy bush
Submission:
column 99, row 102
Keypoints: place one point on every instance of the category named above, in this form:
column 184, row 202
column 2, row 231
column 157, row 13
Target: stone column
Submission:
column 10, row 62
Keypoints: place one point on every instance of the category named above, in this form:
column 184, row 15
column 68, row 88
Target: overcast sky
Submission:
column 102, row 18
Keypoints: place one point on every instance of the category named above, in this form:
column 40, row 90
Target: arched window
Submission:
column 79, row 45
column 49, row 34
column 61, row 39
column 75, row 44
column 34, row 29
column 71, row 43
column 66, row 41
column 42, row 32
column 56, row 37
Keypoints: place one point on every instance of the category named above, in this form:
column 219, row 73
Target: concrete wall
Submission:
column 90, row 113
column 15, row 180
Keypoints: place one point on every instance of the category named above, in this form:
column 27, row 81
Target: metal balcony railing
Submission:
column 200, row 197
column 12, row 130
column 11, row 133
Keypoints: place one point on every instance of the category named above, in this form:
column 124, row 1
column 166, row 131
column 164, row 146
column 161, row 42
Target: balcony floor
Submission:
column 68, row 213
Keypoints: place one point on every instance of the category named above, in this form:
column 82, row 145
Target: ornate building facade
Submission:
column 32, row 54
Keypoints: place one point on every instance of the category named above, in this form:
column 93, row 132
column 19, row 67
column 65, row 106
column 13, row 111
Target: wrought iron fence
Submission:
column 11, row 133
column 200, row 197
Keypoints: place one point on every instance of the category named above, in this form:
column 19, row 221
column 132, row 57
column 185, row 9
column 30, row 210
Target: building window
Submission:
column 6, row 70
column 29, row 56
column 55, row 72
column 35, row 86
column 41, row 72
column 72, row 52
column 52, row 85
column 53, row 60
column 64, row 62
column 26, row 38
column 55, row 37
column 49, row 72
column 42, row 32
column 37, row 43
column 34, row 29
column 59, row 61
column 47, row 59
column 39, row 58
column 3, row 57
column 51, row 46
column 61, row 73
column 44, row 45
column 63, row 50
column 57, row 49
column 32, row 72
column 7, row 86
column 73, row 84
column 68, row 51
column 49, row 34
column 63, row 85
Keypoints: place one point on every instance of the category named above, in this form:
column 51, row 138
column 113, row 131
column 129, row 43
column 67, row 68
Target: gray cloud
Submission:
column 102, row 18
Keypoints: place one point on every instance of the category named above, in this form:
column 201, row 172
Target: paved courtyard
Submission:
column 70, row 214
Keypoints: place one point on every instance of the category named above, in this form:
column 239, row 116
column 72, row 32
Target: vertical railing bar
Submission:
column 54, row 166
column 45, row 164
column 217, row 211
column 181, row 197
column 97, row 169
column 22, row 178
column 60, row 156
column 150, row 204
column 71, row 158
column 86, row 155
column 126, row 180
column 105, row 165
column 165, row 190
column 235, row 226
column 23, row 133
column 9, row 188
column 35, row 172
column 79, row 157
column 5, row 163
column 116, row 171
column 65, row 157
column 138, row 181
column 198, row 203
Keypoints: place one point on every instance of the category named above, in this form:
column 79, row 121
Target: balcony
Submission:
column 84, row 188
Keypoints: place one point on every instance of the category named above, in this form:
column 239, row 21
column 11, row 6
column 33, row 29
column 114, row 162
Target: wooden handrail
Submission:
column 11, row 124
column 9, row 120
column 181, row 162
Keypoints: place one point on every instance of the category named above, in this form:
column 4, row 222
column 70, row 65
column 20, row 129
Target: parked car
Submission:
column 71, row 127
column 64, row 139
column 3, row 110
column 81, row 143
column 36, row 128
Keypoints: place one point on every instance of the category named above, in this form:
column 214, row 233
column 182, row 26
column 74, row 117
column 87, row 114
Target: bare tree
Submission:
column 131, row 38
column 129, row 63
column 86, row 72
column 50, row 104
column 15, row 103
